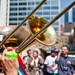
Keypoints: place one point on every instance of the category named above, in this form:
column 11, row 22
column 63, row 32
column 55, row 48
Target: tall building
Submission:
column 17, row 10
column 70, row 16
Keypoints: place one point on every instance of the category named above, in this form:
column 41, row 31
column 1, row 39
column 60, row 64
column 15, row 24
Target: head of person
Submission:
column 29, row 52
column 65, row 49
column 53, row 53
column 35, row 54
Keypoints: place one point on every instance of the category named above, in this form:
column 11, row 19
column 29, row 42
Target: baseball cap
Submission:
column 53, row 51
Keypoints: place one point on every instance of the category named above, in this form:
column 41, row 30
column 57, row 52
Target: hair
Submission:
column 65, row 46
column 28, row 50
column 35, row 51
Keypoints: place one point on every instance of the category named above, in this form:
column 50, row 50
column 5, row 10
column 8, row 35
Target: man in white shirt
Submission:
column 50, row 63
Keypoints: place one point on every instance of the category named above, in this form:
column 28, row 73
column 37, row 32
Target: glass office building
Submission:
column 70, row 16
column 17, row 10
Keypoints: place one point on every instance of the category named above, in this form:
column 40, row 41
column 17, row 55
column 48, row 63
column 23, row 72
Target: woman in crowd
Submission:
column 36, row 64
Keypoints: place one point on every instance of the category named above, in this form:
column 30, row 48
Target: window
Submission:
column 13, row 4
column 54, row 7
column 12, row 19
column 66, row 17
column 39, row 13
column 22, row 8
column 46, row 8
column 29, row 3
column 13, row 14
column 56, row 23
column 20, row 18
column 48, row 18
column 47, row 2
column 30, row 8
column 37, row 2
column 73, row 14
column 22, row 13
column 54, row 2
column 46, row 13
column 22, row 3
column 12, row 9
column 54, row 12
column 12, row 23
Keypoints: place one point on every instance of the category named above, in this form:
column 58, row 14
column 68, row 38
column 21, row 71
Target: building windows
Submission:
column 48, row 18
column 56, row 23
column 38, row 13
column 22, row 13
column 47, row 2
column 20, row 19
column 30, row 8
column 37, row 2
column 54, row 12
column 22, row 3
column 29, row 3
column 13, row 4
column 73, row 14
column 54, row 7
column 46, row 13
column 12, row 23
column 13, row 14
column 13, row 9
column 12, row 19
column 66, row 17
column 54, row 3
column 13, row 0
column 46, row 8
column 22, row 8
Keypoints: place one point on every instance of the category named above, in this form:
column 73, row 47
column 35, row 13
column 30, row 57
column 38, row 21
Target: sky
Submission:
column 64, row 4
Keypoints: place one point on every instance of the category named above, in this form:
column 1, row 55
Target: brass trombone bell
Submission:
column 48, row 37
column 17, row 38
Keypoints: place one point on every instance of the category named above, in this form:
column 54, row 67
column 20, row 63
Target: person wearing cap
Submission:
column 50, row 63
column 65, row 62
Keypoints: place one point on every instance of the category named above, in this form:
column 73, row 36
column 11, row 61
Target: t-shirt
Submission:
column 64, row 66
column 50, row 61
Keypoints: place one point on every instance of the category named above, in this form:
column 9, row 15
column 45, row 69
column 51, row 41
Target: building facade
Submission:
column 3, row 12
column 70, row 16
column 17, row 10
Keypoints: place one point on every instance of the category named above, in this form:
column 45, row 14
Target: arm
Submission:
column 47, row 63
column 50, row 66
column 56, row 67
column 58, row 56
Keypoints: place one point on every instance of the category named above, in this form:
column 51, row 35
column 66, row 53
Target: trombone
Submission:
column 23, row 46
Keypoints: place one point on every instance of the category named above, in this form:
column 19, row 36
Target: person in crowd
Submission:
column 27, row 59
column 50, row 63
column 36, row 64
column 64, row 62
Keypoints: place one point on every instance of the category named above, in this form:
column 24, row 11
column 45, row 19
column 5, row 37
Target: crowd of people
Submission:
column 56, row 63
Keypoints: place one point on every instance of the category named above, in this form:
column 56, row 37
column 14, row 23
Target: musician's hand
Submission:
column 9, row 66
